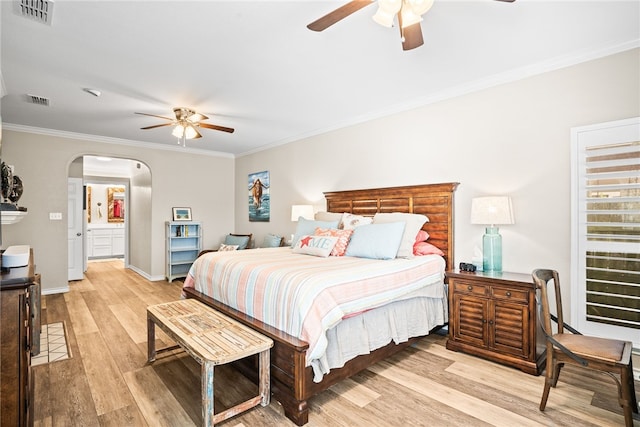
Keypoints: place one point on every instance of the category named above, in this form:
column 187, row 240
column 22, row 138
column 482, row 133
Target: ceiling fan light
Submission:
column 178, row 131
column 409, row 18
column 387, row 10
column 190, row 132
column 383, row 18
column 420, row 7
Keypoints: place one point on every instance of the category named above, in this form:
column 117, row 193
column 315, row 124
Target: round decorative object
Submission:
column 7, row 181
column 16, row 191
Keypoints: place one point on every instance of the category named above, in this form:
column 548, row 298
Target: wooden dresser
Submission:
column 493, row 315
column 19, row 319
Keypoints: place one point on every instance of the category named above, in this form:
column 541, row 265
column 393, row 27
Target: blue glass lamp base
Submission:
column 492, row 250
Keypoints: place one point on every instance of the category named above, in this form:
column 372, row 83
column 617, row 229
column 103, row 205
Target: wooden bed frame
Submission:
column 291, row 381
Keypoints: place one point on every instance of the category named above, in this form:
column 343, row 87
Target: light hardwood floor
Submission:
column 107, row 381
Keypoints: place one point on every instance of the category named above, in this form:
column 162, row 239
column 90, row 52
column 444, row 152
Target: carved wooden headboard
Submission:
column 433, row 200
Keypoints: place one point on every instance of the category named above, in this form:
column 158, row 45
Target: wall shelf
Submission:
column 184, row 243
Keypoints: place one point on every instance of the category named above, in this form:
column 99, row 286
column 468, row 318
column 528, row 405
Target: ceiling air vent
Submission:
column 38, row 100
column 38, row 10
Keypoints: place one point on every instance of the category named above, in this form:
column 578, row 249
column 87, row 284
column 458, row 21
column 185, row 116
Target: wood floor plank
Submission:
column 80, row 315
column 129, row 416
column 108, row 389
column 355, row 393
column 156, row 403
column 133, row 323
column 468, row 404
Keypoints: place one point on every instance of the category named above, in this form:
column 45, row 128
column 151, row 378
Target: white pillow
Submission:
column 327, row 216
column 315, row 245
column 224, row 248
column 351, row 221
column 414, row 223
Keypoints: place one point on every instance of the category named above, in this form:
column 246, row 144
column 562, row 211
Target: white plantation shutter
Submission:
column 606, row 225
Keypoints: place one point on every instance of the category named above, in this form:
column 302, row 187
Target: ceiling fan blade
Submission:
column 157, row 126
column 153, row 115
column 338, row 15
column 215, row 127
column 411, row 36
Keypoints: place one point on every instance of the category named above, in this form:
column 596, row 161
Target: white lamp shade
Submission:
column 305, row 211
column 492, row 210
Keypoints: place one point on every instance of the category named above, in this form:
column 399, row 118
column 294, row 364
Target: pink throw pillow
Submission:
column 424, row 248
column 343, row 239
column 422, row 236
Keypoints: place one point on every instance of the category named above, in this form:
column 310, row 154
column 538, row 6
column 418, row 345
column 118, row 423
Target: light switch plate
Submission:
column 55, row 215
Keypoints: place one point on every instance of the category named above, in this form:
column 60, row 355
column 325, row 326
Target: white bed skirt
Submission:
column 376, row 328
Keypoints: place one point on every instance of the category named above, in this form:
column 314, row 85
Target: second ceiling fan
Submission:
column 409, row 13
column 186, row 122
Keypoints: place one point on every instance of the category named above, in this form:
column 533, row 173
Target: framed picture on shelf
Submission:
column 181, row 214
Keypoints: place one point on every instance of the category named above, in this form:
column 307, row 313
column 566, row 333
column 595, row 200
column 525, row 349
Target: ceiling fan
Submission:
column 409, row 13
column 186, row 123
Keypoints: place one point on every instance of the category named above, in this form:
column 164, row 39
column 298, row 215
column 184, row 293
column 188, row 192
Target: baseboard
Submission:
column 61, row 290
column 145, row 275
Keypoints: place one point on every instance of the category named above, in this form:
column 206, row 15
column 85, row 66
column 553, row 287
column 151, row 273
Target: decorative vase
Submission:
column 492, row 250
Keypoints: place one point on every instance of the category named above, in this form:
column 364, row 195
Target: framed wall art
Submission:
column 259, row 200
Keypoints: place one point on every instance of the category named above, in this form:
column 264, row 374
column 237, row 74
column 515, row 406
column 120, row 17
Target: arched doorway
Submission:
column 116, row 209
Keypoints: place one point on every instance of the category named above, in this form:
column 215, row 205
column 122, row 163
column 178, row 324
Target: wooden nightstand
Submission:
column 493, row 315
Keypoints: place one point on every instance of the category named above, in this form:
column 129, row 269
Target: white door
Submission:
column 74, row 234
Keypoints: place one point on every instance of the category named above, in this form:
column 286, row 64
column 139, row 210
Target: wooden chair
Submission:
column 610, row 356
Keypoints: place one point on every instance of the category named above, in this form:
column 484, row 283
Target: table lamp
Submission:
column 492, row 211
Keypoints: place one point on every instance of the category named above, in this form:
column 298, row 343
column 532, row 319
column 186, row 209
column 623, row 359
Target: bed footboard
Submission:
column 291, row 381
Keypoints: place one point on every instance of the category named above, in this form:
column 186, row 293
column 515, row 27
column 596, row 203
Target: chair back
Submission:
column 541, row 278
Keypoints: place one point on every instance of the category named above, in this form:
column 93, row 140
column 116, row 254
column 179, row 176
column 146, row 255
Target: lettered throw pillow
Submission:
column 343, row 239
column 315, row 245
column 308, row 227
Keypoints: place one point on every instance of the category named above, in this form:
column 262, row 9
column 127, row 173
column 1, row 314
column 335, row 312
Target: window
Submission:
column 606, row 230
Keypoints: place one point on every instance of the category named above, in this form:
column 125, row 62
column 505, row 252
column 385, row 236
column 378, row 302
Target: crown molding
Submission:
column 476, row 86
column 116, row 141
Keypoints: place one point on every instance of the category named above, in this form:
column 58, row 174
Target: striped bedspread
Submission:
column 305, row 295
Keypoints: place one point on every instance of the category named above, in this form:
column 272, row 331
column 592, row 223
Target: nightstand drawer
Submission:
column 510, row 294
column 464, row 287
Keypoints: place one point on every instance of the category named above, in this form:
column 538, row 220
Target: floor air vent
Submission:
column 38, row 100
column 38, row 10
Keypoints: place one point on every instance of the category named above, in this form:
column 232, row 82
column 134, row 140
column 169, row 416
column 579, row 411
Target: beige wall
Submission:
column 512, row 139
column 178, row 179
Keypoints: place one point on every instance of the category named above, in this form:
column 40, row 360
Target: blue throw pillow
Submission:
column 307, row 227
column 376, row 241
column 241, row 241
column 271, row 241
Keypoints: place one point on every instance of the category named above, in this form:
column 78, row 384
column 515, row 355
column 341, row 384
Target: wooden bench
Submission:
column 211, row 338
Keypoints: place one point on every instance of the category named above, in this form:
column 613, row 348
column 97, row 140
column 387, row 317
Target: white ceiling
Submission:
column 254, row 66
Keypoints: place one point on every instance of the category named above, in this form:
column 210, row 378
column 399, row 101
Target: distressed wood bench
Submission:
column 212, row 339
